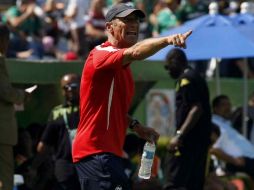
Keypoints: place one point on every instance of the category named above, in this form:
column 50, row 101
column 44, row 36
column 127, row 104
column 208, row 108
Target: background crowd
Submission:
column 58, row 29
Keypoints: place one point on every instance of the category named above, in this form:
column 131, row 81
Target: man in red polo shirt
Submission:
column 106, row 91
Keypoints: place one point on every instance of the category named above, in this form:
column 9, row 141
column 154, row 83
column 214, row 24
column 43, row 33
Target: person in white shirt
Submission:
column 75, row 17
column 237, row 119
column 230, row 146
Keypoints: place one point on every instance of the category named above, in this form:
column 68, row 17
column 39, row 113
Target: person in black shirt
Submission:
column 60, row 131
column 185, row 161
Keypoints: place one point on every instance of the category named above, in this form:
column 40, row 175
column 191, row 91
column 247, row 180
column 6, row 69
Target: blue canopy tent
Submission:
column 214, row 36
column 244, row 23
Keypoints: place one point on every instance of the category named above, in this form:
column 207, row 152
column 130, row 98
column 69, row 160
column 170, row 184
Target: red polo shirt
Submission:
column 106, row 92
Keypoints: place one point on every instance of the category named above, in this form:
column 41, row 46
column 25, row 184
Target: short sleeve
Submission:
column 11, row 13
column 107, row 58
column 72, row 5
column 189, row 90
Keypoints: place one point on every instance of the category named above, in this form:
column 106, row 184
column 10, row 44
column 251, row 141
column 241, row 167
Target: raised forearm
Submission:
column 146, row 48
column 15, row 22
column 49, row 5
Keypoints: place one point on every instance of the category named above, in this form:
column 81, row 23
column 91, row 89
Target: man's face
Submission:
column 71, row 91
column 224, row 109
column 174, row 70
column 126, row 30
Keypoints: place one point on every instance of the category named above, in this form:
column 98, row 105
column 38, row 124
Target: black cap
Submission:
column 122, row 10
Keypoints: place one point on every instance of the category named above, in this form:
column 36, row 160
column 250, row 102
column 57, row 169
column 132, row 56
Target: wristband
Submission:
column 133, row 123
column 179, row 133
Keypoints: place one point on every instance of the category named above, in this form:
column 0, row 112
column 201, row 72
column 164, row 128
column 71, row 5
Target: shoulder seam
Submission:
column 108, row 48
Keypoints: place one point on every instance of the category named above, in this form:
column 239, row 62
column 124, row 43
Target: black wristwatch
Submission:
column 133, row 123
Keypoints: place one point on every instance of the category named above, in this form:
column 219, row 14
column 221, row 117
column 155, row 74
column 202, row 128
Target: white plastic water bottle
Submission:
column 147, row 160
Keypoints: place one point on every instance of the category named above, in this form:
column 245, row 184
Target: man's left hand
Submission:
column 146, row 133
column 174, row 144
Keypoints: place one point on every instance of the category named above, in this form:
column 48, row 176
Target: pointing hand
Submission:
column 178, row 40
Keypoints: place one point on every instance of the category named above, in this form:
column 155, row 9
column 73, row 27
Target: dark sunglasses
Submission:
column 71, row 86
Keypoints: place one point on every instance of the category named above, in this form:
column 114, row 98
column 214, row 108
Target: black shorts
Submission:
column 102, row 172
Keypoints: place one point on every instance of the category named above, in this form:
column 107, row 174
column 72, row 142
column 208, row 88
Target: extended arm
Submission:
column 18, row 20
column 148, row 47
column 220, row 154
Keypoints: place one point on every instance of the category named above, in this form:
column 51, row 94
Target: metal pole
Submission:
column 217, row 77
column 245, row 98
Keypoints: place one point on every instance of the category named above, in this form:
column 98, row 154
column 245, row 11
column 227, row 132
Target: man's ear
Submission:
column 109, row 27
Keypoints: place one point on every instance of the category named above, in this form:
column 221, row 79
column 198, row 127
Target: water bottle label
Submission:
column 148, row 154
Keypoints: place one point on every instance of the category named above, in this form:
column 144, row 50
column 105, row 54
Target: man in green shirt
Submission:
column 22, row 18
column 25, row 29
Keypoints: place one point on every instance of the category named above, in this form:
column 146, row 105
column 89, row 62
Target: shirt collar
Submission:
column 106, row 44
column 221, row 119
